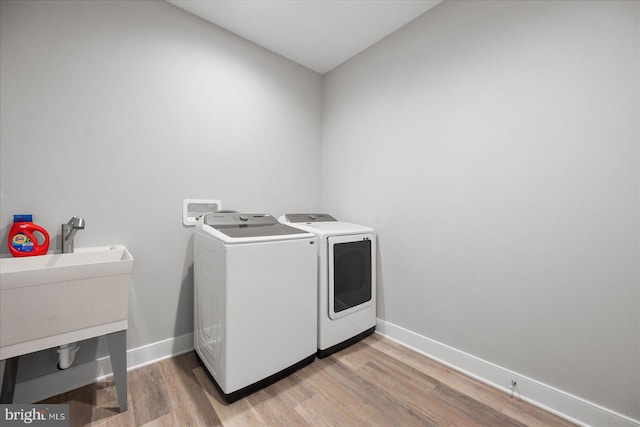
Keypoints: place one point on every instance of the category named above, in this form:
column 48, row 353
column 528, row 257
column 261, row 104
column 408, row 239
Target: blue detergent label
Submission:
column 22, row 243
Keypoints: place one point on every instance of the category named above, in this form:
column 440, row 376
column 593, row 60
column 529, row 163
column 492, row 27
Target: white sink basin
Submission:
column 82, row 264
column 62, row 297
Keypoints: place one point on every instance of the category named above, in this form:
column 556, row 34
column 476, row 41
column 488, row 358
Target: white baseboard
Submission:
column 551, row 399
column 77, row 376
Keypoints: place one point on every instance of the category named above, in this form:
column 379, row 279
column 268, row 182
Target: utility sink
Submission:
column 50, row 300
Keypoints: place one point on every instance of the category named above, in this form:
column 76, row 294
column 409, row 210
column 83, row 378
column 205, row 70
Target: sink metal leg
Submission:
column 117, row 343
column 8, row 374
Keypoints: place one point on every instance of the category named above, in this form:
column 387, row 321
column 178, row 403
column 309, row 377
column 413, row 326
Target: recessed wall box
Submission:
column 192, row 209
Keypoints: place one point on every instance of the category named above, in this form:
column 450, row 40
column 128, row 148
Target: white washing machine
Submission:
column 346, row 279
column 255, row 300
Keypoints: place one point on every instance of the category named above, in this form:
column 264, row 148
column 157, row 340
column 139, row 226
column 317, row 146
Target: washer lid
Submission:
column 248, row 225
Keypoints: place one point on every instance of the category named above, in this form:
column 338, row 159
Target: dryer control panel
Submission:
column 309, row 217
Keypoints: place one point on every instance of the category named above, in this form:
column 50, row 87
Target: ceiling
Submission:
column 318, row 34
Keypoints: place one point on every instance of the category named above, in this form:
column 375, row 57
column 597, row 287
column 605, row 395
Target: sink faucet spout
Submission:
column 69, row 231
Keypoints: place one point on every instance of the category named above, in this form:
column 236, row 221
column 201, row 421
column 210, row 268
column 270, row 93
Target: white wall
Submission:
column 117, row 111
column 494, row 147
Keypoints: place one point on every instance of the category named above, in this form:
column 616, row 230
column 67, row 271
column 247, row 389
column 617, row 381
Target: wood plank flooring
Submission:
column 375, row 382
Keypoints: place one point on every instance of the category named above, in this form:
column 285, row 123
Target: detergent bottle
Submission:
column 22, row 241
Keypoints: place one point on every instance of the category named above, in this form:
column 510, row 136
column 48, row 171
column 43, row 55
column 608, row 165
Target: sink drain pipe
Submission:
column 66, row 355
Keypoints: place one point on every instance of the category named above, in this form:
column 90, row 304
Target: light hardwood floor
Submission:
column 375, row 382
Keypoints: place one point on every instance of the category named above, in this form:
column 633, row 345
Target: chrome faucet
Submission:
column 69, row 231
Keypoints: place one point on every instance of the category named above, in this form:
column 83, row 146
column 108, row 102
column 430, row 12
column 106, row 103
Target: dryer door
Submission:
column 351, row 273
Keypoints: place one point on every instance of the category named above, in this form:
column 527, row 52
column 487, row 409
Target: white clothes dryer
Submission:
column 346, row 279
column 255, row 314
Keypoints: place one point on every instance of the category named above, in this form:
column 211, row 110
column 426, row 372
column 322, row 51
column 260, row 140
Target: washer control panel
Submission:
column 248, row 225
column 238, row 219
